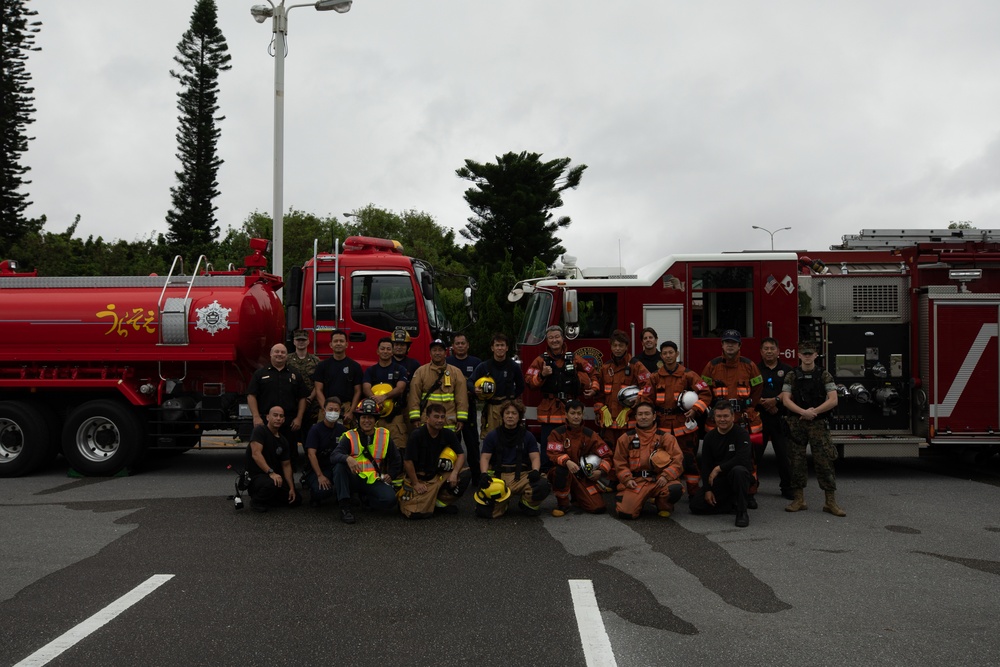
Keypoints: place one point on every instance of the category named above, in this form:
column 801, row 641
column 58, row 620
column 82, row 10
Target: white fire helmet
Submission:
column 686, row 400
column 590, row 463
column 628, row 396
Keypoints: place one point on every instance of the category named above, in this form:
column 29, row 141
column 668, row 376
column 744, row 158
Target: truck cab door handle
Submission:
column 357, row 336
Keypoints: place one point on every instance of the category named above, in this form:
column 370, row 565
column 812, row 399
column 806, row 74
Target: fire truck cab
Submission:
column 907, row 321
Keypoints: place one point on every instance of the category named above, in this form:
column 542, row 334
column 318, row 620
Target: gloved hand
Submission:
column 605, row 416
column 534, row 476
column 485, row 480
column 622, row 419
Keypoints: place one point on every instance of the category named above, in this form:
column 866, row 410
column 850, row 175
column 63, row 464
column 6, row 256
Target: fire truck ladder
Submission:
column 880, row 239
column 335, row 281
column 174, row 310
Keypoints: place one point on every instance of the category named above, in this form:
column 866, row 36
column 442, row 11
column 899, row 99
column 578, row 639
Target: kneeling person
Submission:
column 569, row 448
column 726, row 468
column 365, row 462
column 511, row 453
column 320, row 443
column 649, row 463
column 436, row 474
column 269, row 449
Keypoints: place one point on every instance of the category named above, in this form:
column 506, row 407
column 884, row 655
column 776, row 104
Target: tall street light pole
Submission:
column 770, row 232
column 279, row 16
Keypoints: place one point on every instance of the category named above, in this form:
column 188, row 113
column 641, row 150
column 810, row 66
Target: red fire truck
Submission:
column 102, row 368
column 907, row 320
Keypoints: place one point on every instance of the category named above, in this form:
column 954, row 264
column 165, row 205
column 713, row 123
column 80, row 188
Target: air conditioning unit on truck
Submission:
column 907, row 319
column 100, row 368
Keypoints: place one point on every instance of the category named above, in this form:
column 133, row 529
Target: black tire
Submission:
column 102, row 438
column 24, row 438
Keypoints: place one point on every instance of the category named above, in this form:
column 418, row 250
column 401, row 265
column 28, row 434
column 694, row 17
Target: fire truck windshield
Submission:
column 436, row 318
column 536, row 320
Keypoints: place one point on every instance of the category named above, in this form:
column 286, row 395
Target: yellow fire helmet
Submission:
column 447, row 460
column 401, row 336
column 381, row 389
column 487, row 386
column 497, row 491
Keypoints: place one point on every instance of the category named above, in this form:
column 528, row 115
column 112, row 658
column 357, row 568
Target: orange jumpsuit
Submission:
column 662, row 389
column 572, row 444
column 612, row 376
column 738, row 380
column 558, row 387
column 632, row 458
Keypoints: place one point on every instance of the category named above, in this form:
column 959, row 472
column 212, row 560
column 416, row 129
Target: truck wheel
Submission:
column 24, row 438
column 102, row 438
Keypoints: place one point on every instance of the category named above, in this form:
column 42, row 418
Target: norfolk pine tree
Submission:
column 512, row 200
column 17, row 39
column 202, row 54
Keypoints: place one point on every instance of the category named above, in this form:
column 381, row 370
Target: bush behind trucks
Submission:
column 102, row 368
column 907, row 321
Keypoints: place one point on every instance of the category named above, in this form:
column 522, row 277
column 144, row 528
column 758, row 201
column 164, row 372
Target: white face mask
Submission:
column 332, row 415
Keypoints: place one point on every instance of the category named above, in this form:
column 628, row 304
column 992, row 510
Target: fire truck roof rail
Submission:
column 880, row 239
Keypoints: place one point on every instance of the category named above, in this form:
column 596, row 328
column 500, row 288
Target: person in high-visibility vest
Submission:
column 365, row 462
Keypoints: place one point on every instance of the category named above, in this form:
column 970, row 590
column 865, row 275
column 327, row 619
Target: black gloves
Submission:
column 534, row 476
column 485, row 480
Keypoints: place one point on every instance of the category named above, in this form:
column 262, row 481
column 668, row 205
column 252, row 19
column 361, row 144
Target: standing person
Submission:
column 305, row 362
column 648, row 464
column 772, row 413
column 387, row 372
column 568, row 447
column 664, row 389
column 439, row 382
column 401, row 342
column 268, row 452
column 467, row 363
column 320, row 443
column 508, row 384
column 726, row 461
column 738, row 380
column 809, row 393
column 613, row 418
column 278, row 384
column 511, row 453
column 560, row 375
column 649, row 357
column 365, row 462
column 436, row 474
column 339, row 375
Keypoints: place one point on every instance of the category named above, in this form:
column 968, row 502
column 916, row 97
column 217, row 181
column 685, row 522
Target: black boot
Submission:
column 346, row 515
column 742, row 519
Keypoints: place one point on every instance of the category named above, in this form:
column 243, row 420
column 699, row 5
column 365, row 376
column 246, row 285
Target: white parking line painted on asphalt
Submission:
column 596, row 645
column 48, row 652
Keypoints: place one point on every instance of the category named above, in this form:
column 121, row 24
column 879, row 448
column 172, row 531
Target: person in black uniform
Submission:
column 726, row 464
column 280, row 385
column 338, row 375
column 508, row 384
column 467, row 363
column 267, row 453
column 436, row 473
column 322, row 440
column 772, row 412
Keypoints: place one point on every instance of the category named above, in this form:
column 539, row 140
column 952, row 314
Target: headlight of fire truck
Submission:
column 860, row 393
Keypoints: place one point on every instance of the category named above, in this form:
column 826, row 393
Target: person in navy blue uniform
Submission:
column 322, row 440
column 467, row 363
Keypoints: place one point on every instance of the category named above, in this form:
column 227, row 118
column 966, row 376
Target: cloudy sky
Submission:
column 697, row 120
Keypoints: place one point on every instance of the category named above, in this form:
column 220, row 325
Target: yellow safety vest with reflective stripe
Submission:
column 379, row 448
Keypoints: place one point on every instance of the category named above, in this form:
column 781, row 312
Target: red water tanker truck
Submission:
column 102, row 368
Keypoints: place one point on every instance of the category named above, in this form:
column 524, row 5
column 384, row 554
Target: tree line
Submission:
column 511, row 234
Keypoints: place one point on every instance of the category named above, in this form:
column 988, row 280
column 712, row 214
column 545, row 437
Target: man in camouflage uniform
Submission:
column 809, row 393
column 304, row 362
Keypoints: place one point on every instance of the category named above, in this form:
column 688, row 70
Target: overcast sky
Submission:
column 697, row 120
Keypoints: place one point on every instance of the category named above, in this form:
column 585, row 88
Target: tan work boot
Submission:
column 831, row 505
column 798, row 503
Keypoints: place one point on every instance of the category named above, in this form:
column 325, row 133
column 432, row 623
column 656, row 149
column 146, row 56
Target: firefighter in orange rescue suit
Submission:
column 648, row 463
column 579, row 459
column 611, row 416
column 560, row 375
column 738, row 379
column 665, row 389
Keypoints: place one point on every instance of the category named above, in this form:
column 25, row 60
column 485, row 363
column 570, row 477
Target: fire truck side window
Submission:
column 384, row 302
column 721, row 298
column 598, row 314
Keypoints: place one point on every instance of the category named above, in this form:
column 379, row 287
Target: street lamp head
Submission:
column 756, row 227
column 339, row 6
column 261, row 13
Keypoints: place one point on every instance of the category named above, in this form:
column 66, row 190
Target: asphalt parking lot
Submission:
column 909, row 577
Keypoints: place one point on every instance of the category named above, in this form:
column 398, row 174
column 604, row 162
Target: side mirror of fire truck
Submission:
column 571, row 316
column 427, row 286
column 467, row 301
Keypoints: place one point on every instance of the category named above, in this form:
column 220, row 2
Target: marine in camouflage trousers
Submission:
column 817, row 434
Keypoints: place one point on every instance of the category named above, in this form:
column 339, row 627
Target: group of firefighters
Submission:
column 416, row 437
